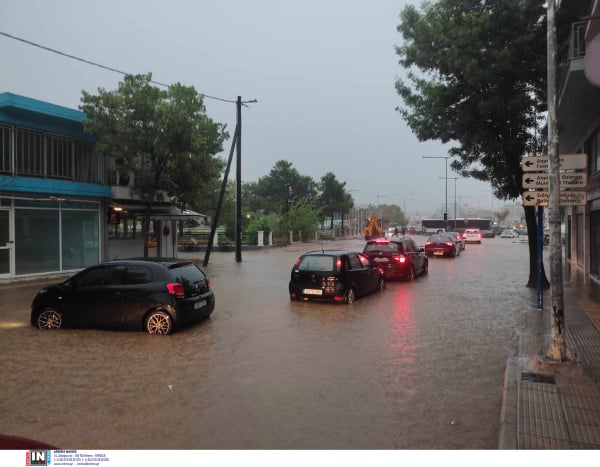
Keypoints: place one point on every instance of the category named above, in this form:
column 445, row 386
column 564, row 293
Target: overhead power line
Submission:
column 89, row 62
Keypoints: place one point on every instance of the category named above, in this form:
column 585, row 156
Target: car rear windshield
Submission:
column 385, row 247
column 186, row 273
column 316, row 263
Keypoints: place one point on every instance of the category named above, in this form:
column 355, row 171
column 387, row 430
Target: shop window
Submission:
column 36, row 244
column 80, row 244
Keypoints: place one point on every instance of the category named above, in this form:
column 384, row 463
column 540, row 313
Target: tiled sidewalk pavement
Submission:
column 552, row 405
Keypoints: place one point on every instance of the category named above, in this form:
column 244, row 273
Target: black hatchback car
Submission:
column 157, row 295
column 398, row 258
column 335, row 275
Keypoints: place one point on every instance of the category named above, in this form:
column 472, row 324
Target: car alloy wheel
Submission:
column 49, row 319
column 159, row 322
column 350, row 297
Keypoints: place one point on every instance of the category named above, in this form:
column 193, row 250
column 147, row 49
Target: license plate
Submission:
column 381, row 260
column 199, row 304
column 438, row 253
column 313, row 292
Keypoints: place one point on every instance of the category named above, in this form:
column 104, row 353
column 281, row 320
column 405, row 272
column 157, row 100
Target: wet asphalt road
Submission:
column 417, row 366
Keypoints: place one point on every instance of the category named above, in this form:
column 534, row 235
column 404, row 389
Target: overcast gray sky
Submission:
column 323, row 73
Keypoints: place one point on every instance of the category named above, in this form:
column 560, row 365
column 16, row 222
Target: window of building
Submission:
column 79, row 239
column 29, row 152
column 51, row 237
column 36, row 241
column 86, row 162
column 60, row 163
column 5, row 151
column 41, row 155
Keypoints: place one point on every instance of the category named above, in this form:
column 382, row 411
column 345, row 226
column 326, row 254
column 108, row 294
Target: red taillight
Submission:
column 449, row 243
column 297, row 262
column 176, row 289
column 207, row 280
column 400, row 258
column 338, row 263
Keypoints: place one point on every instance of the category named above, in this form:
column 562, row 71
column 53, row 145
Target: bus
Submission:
column 430, row 226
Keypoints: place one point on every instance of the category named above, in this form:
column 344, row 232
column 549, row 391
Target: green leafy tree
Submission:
column 480, row 86
column 392, row 214
column 333, row 198
column 282, row 187
column 301, row 217
column 163, row 137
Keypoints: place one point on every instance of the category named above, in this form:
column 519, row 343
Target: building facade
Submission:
column 53, row 197
column 579, row 128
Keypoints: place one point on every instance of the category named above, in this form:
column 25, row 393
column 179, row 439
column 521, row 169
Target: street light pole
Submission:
column 454, row 178
column 443, row 157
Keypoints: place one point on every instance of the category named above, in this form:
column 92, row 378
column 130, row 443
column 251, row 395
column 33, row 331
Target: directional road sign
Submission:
column 567, row 198
column 567, row 162
column 539, row 181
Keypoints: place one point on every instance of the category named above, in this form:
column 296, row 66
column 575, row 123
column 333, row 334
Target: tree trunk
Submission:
column 531, row 220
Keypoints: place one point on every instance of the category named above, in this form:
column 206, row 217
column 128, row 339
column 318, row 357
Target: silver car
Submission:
column 472, row 236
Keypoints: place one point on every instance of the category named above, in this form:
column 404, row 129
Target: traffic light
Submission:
column 445, row 217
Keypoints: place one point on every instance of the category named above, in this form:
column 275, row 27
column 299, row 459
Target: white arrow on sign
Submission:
column 567, row 162
column 539, row 181
column 541, row 198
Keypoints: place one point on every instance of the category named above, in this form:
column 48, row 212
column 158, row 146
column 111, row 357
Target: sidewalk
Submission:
column 549, row 405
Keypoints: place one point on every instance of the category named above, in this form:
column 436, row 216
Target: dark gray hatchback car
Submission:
column 157, row 295
column 334, row 275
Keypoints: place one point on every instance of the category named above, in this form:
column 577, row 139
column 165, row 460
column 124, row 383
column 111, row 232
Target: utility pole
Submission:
column 558, row 349
column 215, row 221
column 238, row 169
column 236, row 144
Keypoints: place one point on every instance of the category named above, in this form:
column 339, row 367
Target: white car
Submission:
column 509, row 233
column 472, row 236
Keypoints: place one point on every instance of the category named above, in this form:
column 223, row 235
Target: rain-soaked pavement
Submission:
column 417, row 366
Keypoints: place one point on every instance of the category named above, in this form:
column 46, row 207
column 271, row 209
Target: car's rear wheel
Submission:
column 49, row 318
column 159, row 322
column 350, row 296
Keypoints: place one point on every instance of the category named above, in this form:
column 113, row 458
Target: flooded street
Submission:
column 419, row 365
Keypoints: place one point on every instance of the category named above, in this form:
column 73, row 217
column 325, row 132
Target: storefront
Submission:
column 41, row 236
column 52, row 194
